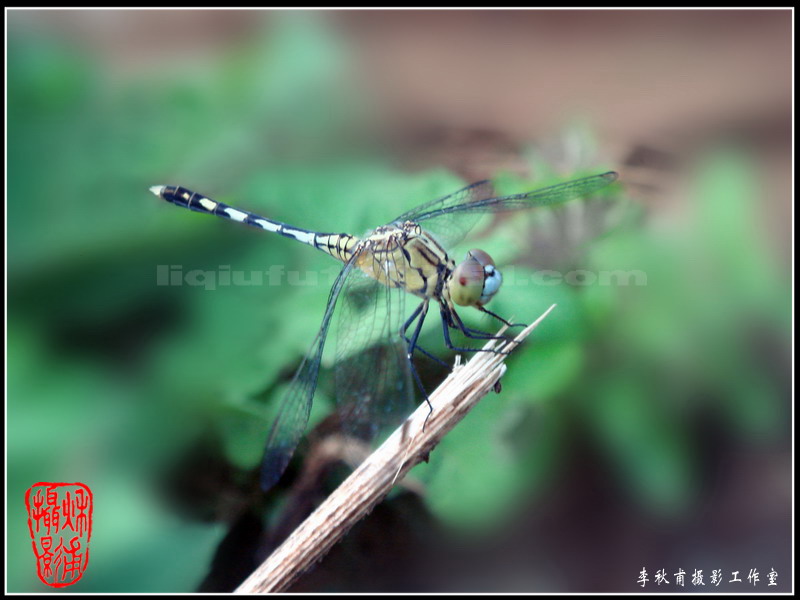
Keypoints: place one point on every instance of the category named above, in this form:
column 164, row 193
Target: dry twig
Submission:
column 371, row 481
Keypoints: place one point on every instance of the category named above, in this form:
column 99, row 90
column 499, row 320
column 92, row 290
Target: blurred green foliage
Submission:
column 112, row 378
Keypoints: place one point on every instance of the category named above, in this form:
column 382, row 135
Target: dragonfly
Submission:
column 376, row 341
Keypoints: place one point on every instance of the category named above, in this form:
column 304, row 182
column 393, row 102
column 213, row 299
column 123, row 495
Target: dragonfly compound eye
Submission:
column 476, row 280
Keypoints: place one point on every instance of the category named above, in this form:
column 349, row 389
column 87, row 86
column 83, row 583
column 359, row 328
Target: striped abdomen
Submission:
column 338, row 245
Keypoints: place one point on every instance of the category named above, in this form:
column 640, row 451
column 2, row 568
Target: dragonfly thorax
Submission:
column 475, row 281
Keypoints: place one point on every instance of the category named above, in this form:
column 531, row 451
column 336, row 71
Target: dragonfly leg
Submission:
column 419, row 314
column 412, row 343
column 501, row 319
column 424, row 393
column 447, row 322
column 475, row 334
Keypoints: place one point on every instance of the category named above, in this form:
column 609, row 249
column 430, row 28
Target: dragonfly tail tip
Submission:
column 157, row 189
column 611, row 176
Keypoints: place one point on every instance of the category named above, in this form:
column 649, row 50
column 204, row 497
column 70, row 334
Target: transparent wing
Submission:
column 480, row 190
column 450, row 218
column 374, row 387
column 295, row 405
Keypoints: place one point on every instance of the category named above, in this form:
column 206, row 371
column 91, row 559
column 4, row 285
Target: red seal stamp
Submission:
column 60, row 524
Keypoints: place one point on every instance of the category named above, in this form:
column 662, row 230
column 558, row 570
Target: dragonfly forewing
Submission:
column 450, row 231
column 453, row 216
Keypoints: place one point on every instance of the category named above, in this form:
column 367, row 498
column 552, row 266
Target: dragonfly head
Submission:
column 475, row 281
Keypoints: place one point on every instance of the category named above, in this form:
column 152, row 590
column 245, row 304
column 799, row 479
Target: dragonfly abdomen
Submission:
column 339, row 246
